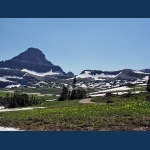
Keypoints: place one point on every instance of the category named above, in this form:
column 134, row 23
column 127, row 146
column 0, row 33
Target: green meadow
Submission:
column 125, row 114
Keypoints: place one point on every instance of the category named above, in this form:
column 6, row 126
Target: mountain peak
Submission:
column 70, row 73
column 32, row 55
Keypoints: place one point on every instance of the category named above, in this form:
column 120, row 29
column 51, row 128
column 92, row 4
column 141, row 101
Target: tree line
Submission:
column 18, row 100
column 75, row 93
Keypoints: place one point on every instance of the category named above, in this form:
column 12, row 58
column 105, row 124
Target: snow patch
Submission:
column 146, row 77
column 137, row 71
column 19, row 109
column 41, row 74
column 83, row 86
column 11, row 86
column 123, row 88
column 2, row 107
column 51, row 100
column 13, row 77
column 87, row 74
column 5, row 68
column 9, row 129
column 3, row 79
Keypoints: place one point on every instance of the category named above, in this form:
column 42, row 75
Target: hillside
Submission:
column 31, row 67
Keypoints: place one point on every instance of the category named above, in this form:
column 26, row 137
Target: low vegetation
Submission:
column 21, row 99
column 77, row 93
column 42, row 90
column 18, row 100
column 126, row 112
column 128, row 97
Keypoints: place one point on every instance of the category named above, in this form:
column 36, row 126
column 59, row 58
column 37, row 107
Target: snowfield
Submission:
column 9, row 129
column 2, row 107
column 5, row 68
column 97, row 76
column 41, row 74
column 18, row 109
column 10, row 86
column 14, row 109
column 140, row 72
column 119, row 93
column 123, row 88
column 146, row 78
column 13, row 77
column 3, row 79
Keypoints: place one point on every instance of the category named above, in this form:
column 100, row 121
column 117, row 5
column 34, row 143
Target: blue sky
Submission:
column 77, row 44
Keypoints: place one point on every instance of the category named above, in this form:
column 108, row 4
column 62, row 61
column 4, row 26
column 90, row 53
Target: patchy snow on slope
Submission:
column 118, row 93
column 146, row 77
column 5, row 68
column 141, row 84
column 83, row 86
column 138, row 71
column 97, row 95
column 2, row 107
column 40, row 74
column 13, row 77
column 20, row 109
column 11, row 86
column 87, row 74
column 3, row 79
column 25, row 74
column 9, row 129
column 41, row 82
column 123, row 88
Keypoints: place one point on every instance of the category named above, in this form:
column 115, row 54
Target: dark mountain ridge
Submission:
column 120, row 74
column 31, row 59
column 32, row 55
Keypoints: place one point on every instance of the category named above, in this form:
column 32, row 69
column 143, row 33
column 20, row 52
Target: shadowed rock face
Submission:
column 145, row 70
column 32, row 55
column 70, row 74
column 31, row 59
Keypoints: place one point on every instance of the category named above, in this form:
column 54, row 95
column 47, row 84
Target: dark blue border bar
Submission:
column 74, row 140
column 75, row 9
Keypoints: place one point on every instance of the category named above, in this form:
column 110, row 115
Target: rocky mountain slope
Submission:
column 31, row 59
column 124, row 74
column 31, row 67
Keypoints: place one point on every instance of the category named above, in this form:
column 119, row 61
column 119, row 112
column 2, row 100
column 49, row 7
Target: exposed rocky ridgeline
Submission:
column 94, row 72
column 121, row 74
column 70, row 73
column 31, row 59
column 145, row 70
column 31, row 67
column 28, row 68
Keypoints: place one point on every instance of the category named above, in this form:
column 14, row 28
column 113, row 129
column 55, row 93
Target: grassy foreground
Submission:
column 70, row 115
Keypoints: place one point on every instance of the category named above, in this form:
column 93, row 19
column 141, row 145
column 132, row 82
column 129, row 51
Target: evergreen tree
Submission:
column 73, row 94
column 78, row 93
column 64, row 94
column 69, row 93
column 74, row 82
column 148, row 85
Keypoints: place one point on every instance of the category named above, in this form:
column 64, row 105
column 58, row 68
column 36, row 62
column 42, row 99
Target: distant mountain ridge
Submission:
column 121, row 74
column 31, row 59
column 32, row 55
column 31, row 66
column 145, row 70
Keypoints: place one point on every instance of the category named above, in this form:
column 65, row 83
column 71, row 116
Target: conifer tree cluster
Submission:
column 148, row 85
column 75, row 93
column 18, row 100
